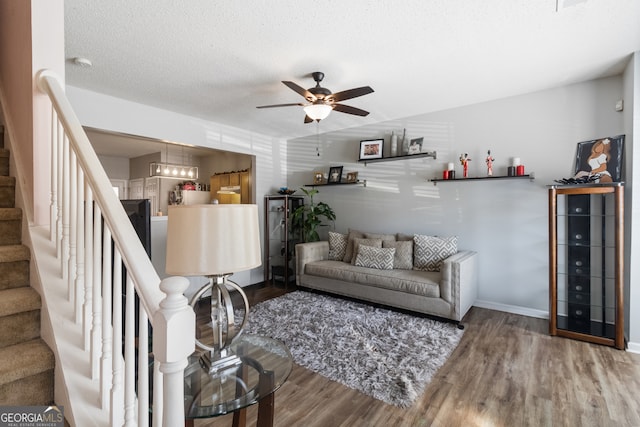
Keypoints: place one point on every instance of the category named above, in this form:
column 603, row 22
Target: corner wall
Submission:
column 631, row 80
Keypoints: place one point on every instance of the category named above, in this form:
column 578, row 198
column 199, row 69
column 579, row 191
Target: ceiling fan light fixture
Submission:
column 318, row 111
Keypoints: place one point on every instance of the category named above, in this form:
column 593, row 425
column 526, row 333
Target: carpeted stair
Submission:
column 26, row 362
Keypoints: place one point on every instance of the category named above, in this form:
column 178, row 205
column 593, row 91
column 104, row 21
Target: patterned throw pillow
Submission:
column 376, row 243
column 380, row 258
column 430, row 251
column 404, row 254
column 337, row 246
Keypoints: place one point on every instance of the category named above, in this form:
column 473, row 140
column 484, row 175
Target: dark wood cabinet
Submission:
column 586, row 262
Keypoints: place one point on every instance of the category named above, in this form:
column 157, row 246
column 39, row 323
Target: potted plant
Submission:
column 310, row 216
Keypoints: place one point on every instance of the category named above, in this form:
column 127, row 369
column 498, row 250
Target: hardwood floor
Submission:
column 507, row 371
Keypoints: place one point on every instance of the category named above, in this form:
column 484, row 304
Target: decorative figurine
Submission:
column 464, row 161
column 490, row 161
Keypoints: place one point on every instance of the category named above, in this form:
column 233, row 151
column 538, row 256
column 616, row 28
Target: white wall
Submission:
column 631, row 81
column 109, row 113
column 115, row 167
column 505, row 221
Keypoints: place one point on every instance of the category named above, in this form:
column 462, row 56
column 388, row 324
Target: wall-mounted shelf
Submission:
column 477, row 178
column 363, row 183
column 431, row 154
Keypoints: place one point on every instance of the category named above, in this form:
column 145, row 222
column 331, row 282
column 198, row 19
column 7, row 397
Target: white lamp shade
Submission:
column 204, row 240
column 318, row 111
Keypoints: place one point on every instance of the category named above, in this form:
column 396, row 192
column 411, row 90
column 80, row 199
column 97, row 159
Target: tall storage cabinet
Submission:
column 280, row 238
column 586, row 262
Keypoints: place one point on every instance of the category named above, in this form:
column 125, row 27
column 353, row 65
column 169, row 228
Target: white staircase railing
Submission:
column 94, row 238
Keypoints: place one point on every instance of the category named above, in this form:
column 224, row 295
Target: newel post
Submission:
column 174, row 329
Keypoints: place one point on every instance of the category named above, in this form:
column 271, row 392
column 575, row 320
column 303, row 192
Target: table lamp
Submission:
column 215, row 241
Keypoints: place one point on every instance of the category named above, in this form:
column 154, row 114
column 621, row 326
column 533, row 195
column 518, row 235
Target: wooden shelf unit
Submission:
column 586, row 262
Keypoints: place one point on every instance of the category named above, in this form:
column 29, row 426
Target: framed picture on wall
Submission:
column 351, row 177
column 602, row 157
column 318, row 178
column 335, row 174
column 371, row 149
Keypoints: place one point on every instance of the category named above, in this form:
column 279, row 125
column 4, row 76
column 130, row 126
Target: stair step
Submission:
column 19, row 315
column 7, row 192
column 26, row 374
column 10, row 226
column 14, row 266
column 4, row 162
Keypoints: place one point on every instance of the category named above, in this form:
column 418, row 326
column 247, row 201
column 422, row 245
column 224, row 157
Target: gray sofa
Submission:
column 448, row 293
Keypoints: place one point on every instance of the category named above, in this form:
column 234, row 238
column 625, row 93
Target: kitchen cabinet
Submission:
column 242, row 180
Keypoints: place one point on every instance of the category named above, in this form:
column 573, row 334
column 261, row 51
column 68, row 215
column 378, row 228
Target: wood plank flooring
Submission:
column 507, row 371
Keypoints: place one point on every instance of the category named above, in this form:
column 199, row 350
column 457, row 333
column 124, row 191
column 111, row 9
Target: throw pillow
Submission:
column 430, row 251
column 383, row 237
column 353, row 234
column 380, row 258
column 376, row 243
column 337, row 246
column 404, row 254
column 403, row 237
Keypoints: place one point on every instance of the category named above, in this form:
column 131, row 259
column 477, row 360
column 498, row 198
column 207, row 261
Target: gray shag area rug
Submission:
column 382, row 353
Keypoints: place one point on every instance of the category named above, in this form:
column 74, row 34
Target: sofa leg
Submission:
column 460, row 325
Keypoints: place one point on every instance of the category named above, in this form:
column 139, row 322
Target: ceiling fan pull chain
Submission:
column 318, row 138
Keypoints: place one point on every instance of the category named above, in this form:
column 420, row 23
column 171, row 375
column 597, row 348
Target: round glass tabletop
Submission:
column 265, row 364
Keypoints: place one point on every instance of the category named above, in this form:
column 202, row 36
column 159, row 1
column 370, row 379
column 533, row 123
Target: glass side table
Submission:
column 265, row 365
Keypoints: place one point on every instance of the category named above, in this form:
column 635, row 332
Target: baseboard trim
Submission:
column 514, row 309
column 633, row 347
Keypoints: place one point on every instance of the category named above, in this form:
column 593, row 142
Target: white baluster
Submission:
column 87, row 310
column 105, row 362
column 80, row 233
column 143, row 367
column 117, row 391
column 73, row 225
column 53, row 207
column 96, row 304
column 129, row 356
column 175, row 319
column 65, row 208
column 59, row 173
column 158, row 392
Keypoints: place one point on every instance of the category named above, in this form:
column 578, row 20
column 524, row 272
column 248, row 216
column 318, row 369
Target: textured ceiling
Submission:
column 218, row 60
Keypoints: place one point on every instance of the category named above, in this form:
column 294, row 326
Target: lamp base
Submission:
column 214, row 364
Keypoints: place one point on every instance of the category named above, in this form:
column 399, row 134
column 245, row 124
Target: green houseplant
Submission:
column 310, row 216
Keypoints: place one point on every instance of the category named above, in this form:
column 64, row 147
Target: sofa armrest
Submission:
column 309, row 252
column 459, row 283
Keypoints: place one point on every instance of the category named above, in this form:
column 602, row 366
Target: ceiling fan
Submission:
column 321, row 101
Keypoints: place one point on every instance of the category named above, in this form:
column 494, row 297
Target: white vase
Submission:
column 394, row 144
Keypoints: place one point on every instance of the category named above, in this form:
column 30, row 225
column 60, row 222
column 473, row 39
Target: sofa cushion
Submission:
column 403, row 258
column 337, row 245
column 383, row 237
column 424, row 283
column 376, row 243
column 430, row 251
column 353, row 234
column 380, row 258
column 401, row 237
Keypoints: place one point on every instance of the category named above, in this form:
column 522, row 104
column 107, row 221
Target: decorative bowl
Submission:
column 286, row 191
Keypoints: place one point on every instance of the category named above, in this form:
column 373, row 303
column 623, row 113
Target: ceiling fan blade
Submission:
column 300, row 90
column 307, row 119
column 350, row 93
column 350, row 110
column 281, row 105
